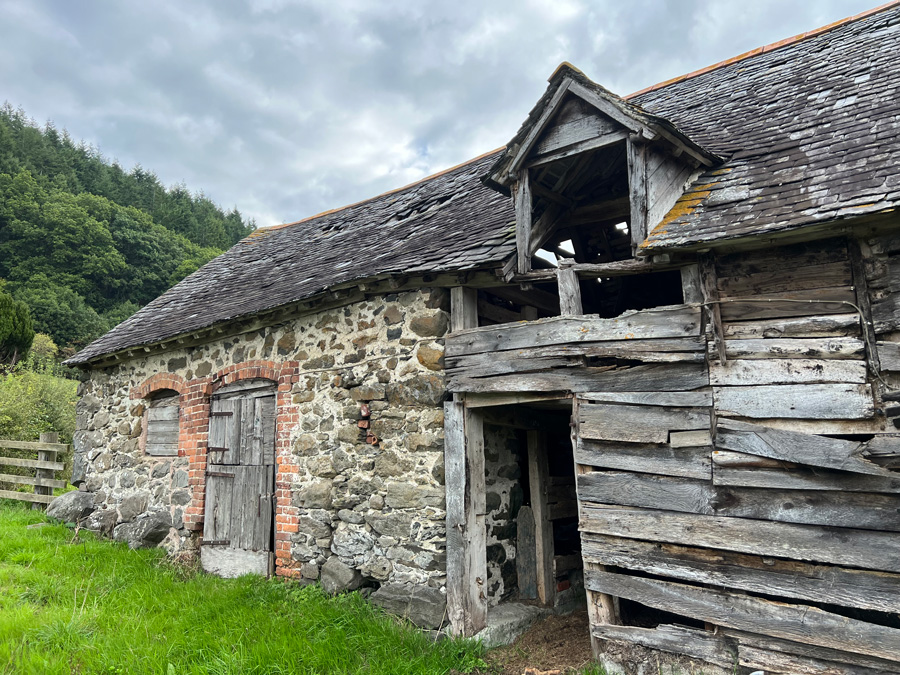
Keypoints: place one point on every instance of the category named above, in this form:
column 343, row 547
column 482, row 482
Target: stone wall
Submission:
column 377, row 507
column 504, row 495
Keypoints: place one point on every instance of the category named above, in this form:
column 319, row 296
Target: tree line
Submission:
column 83, row 243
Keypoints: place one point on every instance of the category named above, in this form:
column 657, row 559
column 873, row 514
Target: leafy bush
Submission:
column 32, row 403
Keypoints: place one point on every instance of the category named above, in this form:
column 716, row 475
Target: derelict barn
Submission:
column 688, row 417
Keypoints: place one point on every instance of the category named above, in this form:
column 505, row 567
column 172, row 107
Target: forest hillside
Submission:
column 85, row 243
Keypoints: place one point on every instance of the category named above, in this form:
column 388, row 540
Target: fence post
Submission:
column 46, row 456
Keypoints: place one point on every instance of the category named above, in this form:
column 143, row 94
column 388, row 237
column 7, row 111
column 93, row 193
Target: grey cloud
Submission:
column 287, row 108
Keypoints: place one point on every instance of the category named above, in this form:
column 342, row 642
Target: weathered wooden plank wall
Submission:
column 769, row 506
column 736, row 449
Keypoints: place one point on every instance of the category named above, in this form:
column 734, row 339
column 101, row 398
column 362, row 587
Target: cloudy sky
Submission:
column 285, row 108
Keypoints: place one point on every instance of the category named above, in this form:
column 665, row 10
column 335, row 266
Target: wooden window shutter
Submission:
column 162, row 427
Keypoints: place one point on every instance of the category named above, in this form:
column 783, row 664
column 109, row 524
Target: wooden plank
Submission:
column 463, row 308
column 502, row 399
column 647, row 491
column 31, row 445
column 835, row 300
column 770, row 576
column 569, row 292
column 839, row 546
column 523, row 206
column 681, row 399
column 690, row 439
column 795, row 348
column 638, row 424
column 646, row 458
column 793, row 622
column 466, row 538
column 26, row 497
column 691, row 286
column 658, row 322
column 763, row 651
column 859, row 510
column 578, row 148
column 729, row 459
column 805, row 254
column 874, row 425
column 483, row 365
column 805, row 401
column 543, row 529
column 697, row 644
column 803, row 479
column 786, row 371
column 32, row 480
column 162, row 449
column 535, row 358
column 833, row 325
column 573, row 125
column 31, row 463
column 268, row 418
column 889, row 356
column 791, row 446
column 655, row 377
column 794, row 278
column 526, row 554
column 249, row 450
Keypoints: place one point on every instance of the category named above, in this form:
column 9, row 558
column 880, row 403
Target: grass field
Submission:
column 82, row 605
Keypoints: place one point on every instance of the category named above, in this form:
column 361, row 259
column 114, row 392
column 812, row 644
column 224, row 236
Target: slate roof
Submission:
column 448, row 222
column 810, row 130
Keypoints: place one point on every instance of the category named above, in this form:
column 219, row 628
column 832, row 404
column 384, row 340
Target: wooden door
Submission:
column 240, row 482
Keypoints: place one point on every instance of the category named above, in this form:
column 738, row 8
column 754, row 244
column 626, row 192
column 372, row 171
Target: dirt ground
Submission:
column 558, row 643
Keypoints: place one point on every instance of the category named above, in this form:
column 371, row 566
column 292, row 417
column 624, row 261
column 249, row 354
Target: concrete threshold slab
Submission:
column 509, row 620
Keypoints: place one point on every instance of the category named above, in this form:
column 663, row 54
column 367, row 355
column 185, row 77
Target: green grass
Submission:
column 92, row 606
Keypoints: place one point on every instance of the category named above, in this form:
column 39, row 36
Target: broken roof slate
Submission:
column 811, row 131
column 439, row 224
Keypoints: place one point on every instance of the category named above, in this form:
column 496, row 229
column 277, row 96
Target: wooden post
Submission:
column 637, row 192
column 569, row 291
column 713, row 310
column 861, row 287
column 466, row 536
column 538, row 479
column 523, row 222
column 603, row 609
column 463, row 308
column 45, row 456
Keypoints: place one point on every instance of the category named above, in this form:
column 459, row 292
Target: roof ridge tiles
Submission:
column 764, row 49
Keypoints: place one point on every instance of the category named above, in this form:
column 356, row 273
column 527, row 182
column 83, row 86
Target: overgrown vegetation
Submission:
column 73, row 604
column 36, row 397
column 83, row 243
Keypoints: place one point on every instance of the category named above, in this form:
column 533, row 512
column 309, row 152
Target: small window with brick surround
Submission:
column 161, row 439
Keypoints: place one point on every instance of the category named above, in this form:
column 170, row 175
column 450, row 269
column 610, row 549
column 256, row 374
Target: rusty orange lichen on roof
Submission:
column 685, row 205
column 766, row 48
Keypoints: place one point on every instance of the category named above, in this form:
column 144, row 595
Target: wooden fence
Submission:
column 45, row 466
